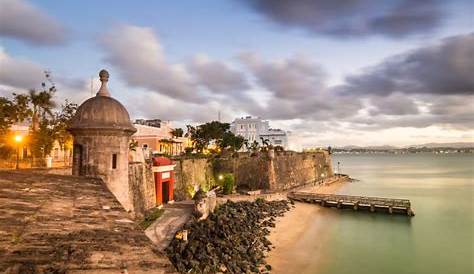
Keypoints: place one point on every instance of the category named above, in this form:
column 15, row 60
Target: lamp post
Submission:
column 18, row 139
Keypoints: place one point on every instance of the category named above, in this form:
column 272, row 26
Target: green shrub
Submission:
column 190, row 191
column 228, row 183
column 204, row 186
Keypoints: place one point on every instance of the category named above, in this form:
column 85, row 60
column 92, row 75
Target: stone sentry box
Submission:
column 101, row 129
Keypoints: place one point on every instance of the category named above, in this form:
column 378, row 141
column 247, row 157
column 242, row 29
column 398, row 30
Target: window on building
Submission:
column 114, row 161
column 145, row 146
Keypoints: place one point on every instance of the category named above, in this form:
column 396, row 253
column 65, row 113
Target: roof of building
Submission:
column 57, row 223
column 102, row 111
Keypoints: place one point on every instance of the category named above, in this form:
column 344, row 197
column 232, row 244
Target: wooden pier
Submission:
column 372, row 204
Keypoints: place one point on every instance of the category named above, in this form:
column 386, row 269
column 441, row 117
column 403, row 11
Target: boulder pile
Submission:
column 231, row 240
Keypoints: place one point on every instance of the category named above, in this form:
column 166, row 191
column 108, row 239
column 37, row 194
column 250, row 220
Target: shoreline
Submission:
column 300, row 229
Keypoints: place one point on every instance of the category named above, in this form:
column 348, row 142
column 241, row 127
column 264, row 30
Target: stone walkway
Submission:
column 162, row 231
column 66, row 224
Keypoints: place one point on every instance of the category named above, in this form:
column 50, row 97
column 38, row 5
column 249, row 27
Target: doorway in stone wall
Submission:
column 77, row 160
column 166, row 192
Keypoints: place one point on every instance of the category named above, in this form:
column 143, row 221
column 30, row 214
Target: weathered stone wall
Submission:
column 191, row 173
column 276, row 171
column 97, row 150
column 252, row 172
column 141, row 188
column 294, row 169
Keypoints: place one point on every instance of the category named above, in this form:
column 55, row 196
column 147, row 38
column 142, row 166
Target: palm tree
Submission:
column 43, row 104
column 35, row 101
column 46, row 103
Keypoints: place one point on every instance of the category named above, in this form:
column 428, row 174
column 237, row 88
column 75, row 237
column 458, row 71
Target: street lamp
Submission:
column 18, row 139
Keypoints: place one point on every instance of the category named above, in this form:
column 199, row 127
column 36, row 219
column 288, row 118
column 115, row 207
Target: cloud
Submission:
column 394, row 104
column 399, row 92
column 20, row 75
column 296, row 88
column 138, row 55
column 217, row 76
column 353, row 18
column 20, row 20
column 293, row 78
column 165, row 108
column 443, row 69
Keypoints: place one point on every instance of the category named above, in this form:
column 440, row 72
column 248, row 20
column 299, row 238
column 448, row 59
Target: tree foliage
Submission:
column 61, row 122
column 177, row 132
column 214, row 132
column 38, row 107
column 231, row 142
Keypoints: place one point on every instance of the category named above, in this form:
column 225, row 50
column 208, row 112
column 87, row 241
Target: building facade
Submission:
column 155, row 137
column 254, row 128
column 276, row 137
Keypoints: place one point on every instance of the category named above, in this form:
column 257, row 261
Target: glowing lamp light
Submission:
column 18, row 138
column 221, row 177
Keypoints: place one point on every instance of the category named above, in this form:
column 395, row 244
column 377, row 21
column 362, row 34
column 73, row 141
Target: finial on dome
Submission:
column 104, row 78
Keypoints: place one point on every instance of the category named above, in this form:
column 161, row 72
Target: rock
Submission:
column 231, row 240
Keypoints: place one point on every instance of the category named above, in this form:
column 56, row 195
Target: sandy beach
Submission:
column 301, row 229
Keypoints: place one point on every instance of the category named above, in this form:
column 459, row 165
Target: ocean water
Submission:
column 439, row 239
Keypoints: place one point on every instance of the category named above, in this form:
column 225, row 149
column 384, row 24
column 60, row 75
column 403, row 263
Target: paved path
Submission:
column 67, row 224
column 162, row 231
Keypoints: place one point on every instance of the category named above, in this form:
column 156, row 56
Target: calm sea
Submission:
column 439, row 239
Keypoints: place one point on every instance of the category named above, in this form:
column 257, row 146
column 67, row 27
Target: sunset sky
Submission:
column 334, row 73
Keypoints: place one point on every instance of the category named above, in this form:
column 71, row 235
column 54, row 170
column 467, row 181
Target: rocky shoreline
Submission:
column 233, row 239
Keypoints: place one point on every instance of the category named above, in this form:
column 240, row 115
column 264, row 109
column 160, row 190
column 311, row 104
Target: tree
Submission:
column 231, row 142
column 254, row 146
column 177, row 132
column 61, row 122
column 51, row 129
column 42, row 139
column 214, row 131
column 13, row 111
column 196, row 136
column 42, row 102
column 266, row 145
column 22, row 107
column 6, row 117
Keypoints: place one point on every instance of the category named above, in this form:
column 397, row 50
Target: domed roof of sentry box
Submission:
column 102, row 111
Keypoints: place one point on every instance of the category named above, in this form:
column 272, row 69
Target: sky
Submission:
column 361, row 72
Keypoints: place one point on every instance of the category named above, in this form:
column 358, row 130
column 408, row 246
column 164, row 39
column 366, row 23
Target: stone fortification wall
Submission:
column 270, row 171
column 276, row 171
column 191, row 174
column 141, row 188
column 295, row 169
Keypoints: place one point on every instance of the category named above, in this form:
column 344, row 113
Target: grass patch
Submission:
column 151, row 216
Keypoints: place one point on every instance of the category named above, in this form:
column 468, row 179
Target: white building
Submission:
column 253, row 129
column 277, row 137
